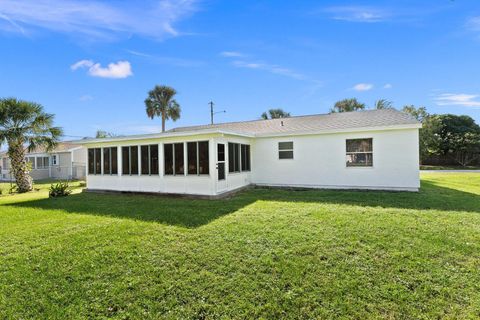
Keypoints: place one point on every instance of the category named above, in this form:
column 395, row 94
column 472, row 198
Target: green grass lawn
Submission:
column 261, row 254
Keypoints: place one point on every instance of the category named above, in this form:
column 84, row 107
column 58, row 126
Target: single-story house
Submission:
column 375, row 149
column 66, row 161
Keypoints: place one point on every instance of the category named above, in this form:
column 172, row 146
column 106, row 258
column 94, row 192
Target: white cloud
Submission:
column 363, row 87
column 86, row 97
column 474, row 24
column 458, row 99
column 119, row 70
column 271, row 68
column 95, row 19
column 232, row 54
column 358, row 14
column 387, row 86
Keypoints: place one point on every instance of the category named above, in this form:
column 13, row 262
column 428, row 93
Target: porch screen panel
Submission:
column 91, row 161
column 203, row 158
column 106, row 160
column 145, row 159
column 98, row 161
column 168, row 158
column 114, row 158
column 154, row 159
column 179, row 163
column 125, row 160
column 134, row 160
column 192, row 157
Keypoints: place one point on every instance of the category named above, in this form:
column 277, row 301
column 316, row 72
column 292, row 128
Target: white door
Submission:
column 221, row 168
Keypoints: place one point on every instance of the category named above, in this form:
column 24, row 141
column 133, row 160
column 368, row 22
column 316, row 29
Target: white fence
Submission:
column 76, row 172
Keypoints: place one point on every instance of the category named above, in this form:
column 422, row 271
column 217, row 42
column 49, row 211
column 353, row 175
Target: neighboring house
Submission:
column 66, row 161
column 375, row 149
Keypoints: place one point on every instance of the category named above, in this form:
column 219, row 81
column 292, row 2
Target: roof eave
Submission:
column 332, row 131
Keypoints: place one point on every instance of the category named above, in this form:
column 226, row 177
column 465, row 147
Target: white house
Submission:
column 66, row 161
column 375, row 149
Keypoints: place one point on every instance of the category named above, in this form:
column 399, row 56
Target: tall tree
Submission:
column 104, row 134
column 457, row 137
column 347, row 105
column 419, row 113
column 25, row 126
column 275, row 114
column 383, row 104
column 161, row 103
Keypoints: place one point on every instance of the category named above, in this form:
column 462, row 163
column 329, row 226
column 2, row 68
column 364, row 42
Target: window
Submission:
column 197, row 157
column 54, row 160
column 359, row 152
column 110, row 165
column 5, row 163
column 94, row 161
column 31, row 161
column 233, row 157
column 285, row 150
column 173, row 159
column 245, row 149
column 130, row 160
column 149, row 159
column 42, row 162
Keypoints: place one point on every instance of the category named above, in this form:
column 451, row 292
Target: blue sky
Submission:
column 93, row 62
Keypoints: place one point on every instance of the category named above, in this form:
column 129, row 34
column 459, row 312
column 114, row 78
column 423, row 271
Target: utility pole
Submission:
column 212, row 112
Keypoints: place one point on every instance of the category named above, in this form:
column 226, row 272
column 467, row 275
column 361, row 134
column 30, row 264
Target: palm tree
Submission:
column 25, row 126
column 347, row 105
column 383, row 104
column 275, row 114
column 160, row 102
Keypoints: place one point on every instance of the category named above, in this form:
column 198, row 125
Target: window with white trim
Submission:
column 31, row 160
column 285, row 150
column 238, row 157
column 43, row 162
column 359, row 152
column 197, row 158
column 149, row 159
column 110, row 160
column 130, row 160
column 54, row 160
column 95, row 161
column 173, row 159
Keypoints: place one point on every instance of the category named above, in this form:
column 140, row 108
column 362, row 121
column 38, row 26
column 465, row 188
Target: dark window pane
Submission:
column 203, row 157
column 179, row 166
column 106, row 160
column 221, row 152
column 359, row 145
column 144, row 159
column 113, row 155
column 134, row 160
column 285, row 154
column 125, row 160
column 168, row 158
column 231, row 157
column 359, row 159
column 91, row 161
column 98, row 161
column 154, row 159
column 221, row 171
column 244, row 157
column 192, row 157
column 285, row 145
column 237, row 157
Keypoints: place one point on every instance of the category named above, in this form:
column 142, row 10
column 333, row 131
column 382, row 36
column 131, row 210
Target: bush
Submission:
column 60, row 189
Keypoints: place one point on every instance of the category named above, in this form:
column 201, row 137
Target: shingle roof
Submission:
column 312, row 123
column 61, row 147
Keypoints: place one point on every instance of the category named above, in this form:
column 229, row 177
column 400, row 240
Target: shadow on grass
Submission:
column 194, row 213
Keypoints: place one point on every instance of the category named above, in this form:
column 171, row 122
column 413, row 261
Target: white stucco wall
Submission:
column 319, row 161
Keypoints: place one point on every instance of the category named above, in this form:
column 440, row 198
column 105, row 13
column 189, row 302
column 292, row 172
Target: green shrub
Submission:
column 60, row 189
column 13, row 189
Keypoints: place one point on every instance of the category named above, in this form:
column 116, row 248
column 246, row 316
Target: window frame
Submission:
column 130, row 161
column 54, row 159
column 197, row 158
column 110, row 161
column 238, row 157
column 94, row 173
column 359, row 152
column 173, row 145
column 286, row 150
column 149, row 160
